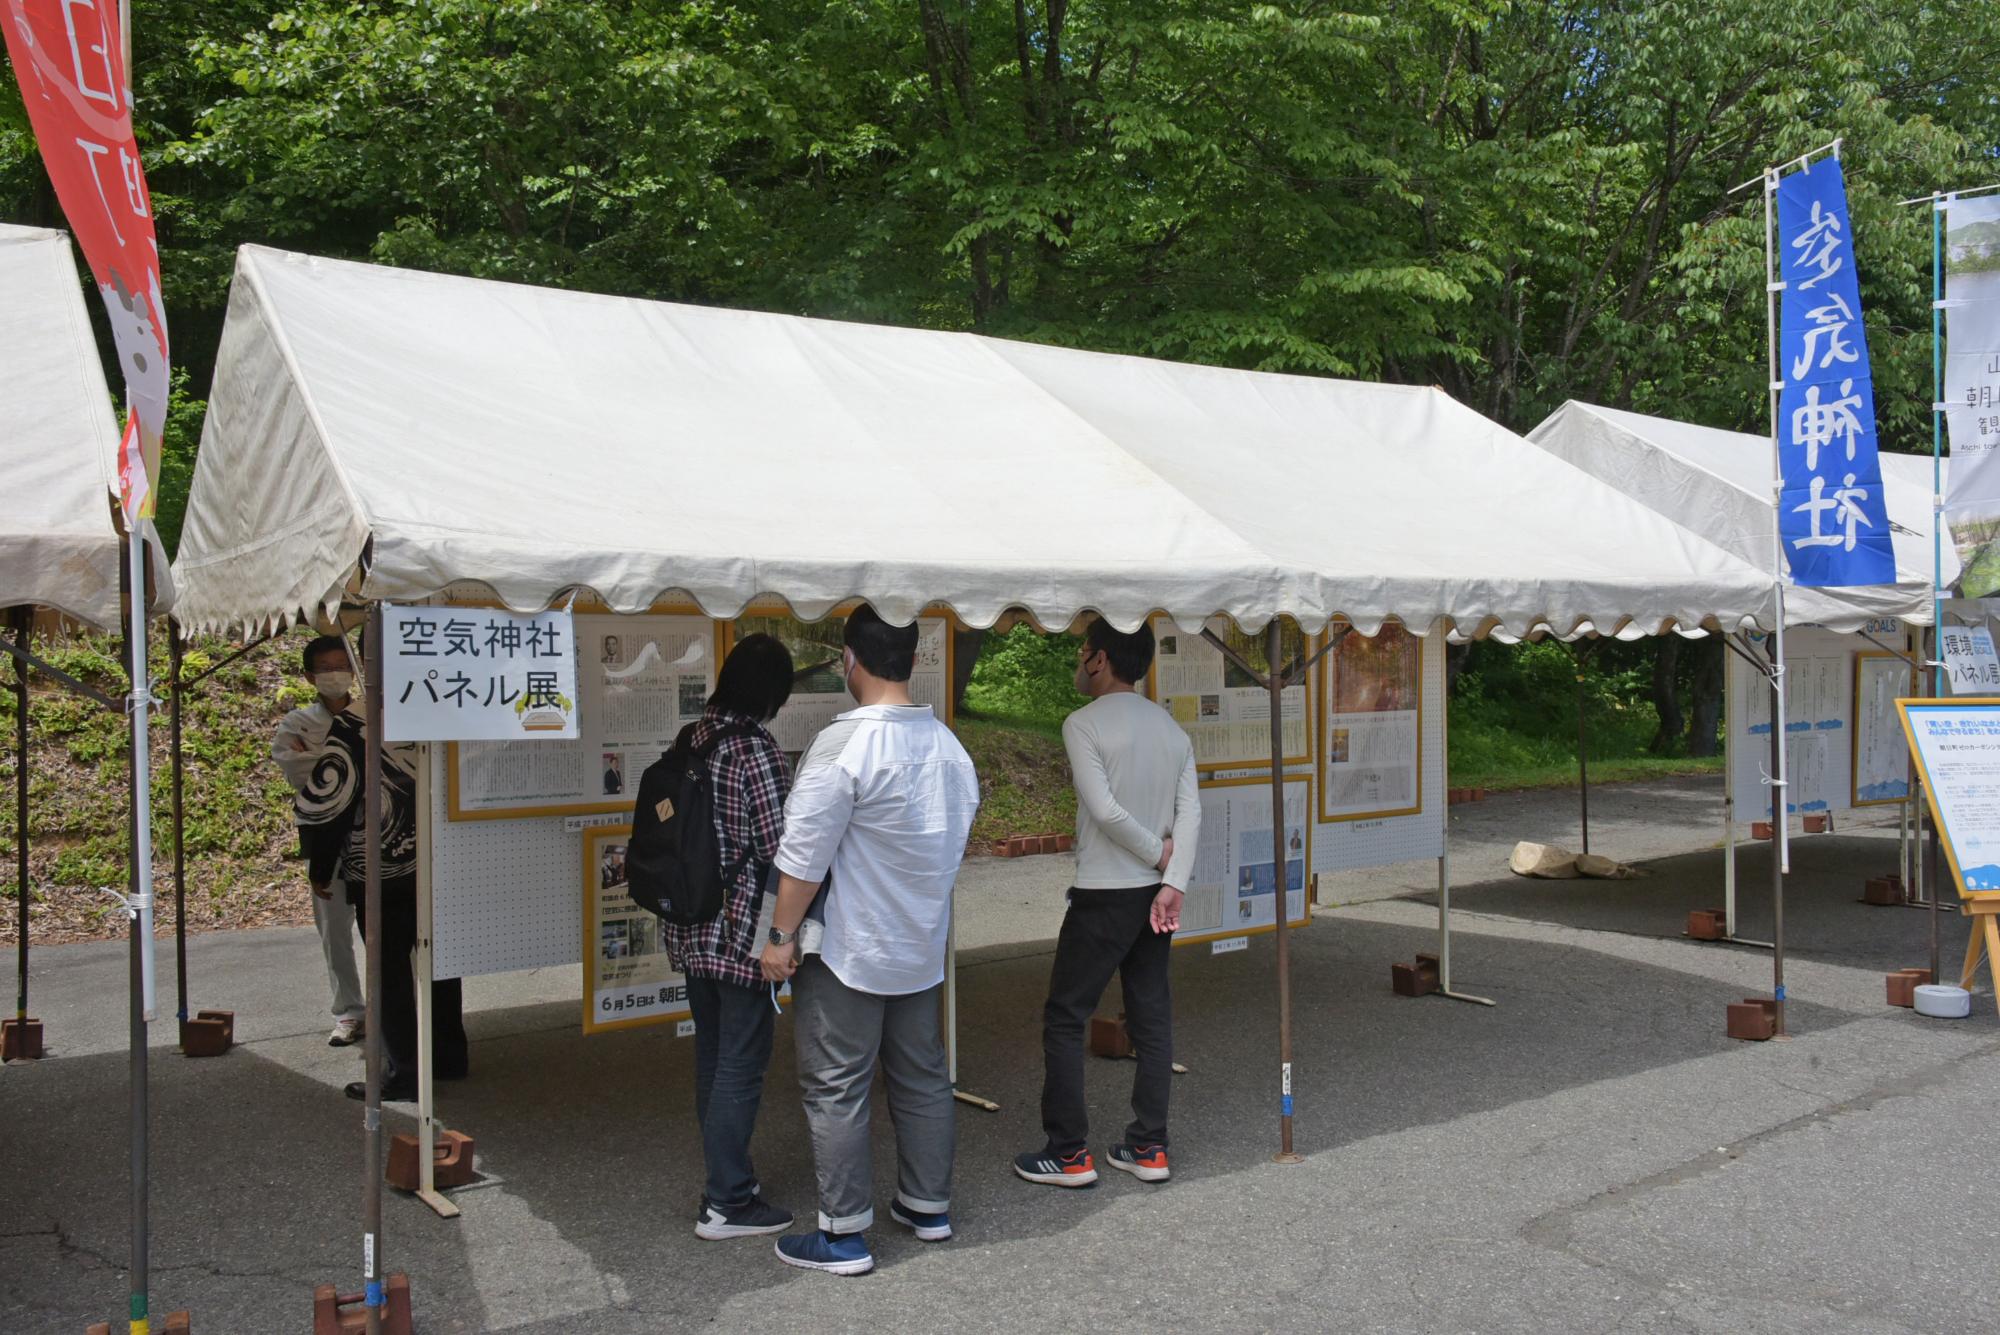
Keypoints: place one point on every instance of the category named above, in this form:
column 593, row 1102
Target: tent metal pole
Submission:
column 174, row 652
column 424, row 961
column 1582, row 750
column 1444, row 857
column 24, row 620
column 1274, row 683
column 371, row 1159
column 1728, row 798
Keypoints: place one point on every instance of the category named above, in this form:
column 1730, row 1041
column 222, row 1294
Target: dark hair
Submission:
column 324, row 644
column 756, row 678
column 887, row 652
column 1130, row 652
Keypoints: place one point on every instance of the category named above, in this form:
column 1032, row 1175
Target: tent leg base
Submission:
column 964, row 1096
column 1450, row 995
column 21, row 1039
column 1287, row 1157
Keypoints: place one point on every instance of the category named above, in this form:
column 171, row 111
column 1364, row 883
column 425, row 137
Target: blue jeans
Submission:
column 732, row 1048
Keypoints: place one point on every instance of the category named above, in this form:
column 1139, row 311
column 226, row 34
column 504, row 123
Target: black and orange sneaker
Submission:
column 1057, row 1170
column 1148, row 1163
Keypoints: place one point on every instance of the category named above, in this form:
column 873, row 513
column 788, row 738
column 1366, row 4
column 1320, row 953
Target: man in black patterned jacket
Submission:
column 333, row 834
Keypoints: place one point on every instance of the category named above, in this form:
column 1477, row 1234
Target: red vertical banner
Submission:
column 69, row 59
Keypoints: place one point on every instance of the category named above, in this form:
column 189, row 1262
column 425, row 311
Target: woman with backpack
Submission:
column 747, row 783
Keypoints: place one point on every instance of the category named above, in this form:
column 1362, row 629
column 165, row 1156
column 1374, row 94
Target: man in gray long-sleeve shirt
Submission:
column 1137, row 819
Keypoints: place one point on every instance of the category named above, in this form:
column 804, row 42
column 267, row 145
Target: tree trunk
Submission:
column 965, row 646
column 1710, row 662
column 1454, row 663
column 1666, row 693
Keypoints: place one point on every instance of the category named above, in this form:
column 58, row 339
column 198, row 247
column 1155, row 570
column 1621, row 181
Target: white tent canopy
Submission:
column 1718, row 483
column 58, row 441
column 388, row 433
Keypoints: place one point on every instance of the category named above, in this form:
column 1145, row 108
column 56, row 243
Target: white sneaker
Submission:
column 347, row 1032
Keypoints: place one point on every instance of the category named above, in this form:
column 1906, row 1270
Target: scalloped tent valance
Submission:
column 1719, row 484
column 382, row 433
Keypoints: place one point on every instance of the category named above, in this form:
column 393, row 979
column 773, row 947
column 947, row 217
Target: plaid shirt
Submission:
column 750, row 782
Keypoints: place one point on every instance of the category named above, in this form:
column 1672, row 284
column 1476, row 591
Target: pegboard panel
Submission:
column 1354, row 844
column 1819, row 723
column 505, row 894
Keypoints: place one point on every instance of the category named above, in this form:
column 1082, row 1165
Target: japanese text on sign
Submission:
column 472, row 674
column 1831, row 512
column 1970, row 665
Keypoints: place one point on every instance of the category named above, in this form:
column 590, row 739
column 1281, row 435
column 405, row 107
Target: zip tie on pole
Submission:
column 152, row 702
column 133, row 905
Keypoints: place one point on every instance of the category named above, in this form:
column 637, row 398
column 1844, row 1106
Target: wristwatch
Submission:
column 780, row 937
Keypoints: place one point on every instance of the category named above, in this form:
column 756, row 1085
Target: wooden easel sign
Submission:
column 1956, row 744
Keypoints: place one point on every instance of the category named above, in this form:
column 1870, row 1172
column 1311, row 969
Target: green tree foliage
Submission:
column 1522, row 202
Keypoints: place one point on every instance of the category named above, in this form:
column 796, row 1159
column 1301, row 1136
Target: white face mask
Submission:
column 333, row 685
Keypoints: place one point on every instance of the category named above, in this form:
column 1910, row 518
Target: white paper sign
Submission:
column 454, row 674
column 1970, row 667
column 1958, row 746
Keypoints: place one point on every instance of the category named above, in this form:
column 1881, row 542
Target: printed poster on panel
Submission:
column 819, row 686
column 1881, row 756
column 1370, row 744
column 628, row 978
column 640, row 679
column 1226, row 714
column 1233, row 887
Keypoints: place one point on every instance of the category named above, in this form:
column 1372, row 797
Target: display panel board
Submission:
column 1819, row 685
column 1371, row 730
column 1225, row 713
column 628, row 979
column 1881, row 755
column 1957, row 748
column 639, row 679
column 1233, row 887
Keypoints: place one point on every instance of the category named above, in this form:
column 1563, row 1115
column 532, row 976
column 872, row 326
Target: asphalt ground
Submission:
column 1591, row 1154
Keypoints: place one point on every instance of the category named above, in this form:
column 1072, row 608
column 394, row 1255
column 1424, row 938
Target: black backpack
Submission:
column 673, row 861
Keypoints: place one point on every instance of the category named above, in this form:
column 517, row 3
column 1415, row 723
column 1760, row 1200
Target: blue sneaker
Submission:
column 927, row 1227
column 837, row 1254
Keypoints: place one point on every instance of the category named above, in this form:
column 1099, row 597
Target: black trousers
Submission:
column 1106, row 932
column 398, row 1007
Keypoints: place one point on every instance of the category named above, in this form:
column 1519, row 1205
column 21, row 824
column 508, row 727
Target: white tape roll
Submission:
column 1943, row 1003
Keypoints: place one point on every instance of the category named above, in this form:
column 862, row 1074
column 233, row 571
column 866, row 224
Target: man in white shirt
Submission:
column 1138, row 815
column 323, row 808
column 878, row 815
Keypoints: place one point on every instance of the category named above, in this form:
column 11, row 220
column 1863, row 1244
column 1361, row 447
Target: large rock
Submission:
column 1547, row 861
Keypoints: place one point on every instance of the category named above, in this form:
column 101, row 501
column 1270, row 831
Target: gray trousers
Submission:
column 334, row 917
column 842, row 1035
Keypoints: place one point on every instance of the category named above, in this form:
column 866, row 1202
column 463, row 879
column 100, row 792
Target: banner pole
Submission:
column 24, row 621
column 1937, row 522
column 1274, row 682
column 139, row 879
column 1780, row 816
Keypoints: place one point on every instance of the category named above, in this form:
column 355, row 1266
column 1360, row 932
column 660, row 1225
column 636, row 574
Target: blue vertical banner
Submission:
column 1831, row 515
